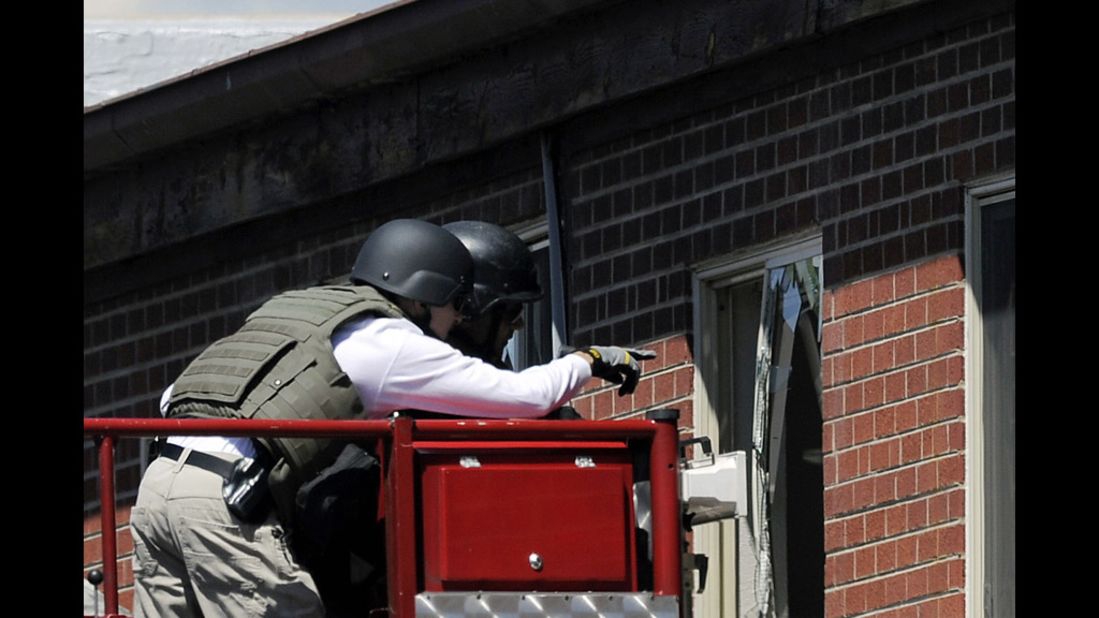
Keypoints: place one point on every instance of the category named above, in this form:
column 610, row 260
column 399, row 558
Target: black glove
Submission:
column 618, row 365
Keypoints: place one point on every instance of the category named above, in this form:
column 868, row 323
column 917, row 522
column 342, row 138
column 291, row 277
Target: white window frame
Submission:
column 991, row 191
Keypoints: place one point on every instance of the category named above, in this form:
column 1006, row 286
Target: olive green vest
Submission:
column 280, row 365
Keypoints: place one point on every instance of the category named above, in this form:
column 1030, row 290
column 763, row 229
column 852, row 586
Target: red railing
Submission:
column 400, row 436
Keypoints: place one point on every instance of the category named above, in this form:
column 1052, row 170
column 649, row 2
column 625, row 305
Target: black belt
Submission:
column 198, row 459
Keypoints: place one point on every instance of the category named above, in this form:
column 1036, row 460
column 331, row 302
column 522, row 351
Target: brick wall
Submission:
column 894, row 442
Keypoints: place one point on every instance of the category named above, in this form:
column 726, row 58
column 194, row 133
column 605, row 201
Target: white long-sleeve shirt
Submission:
column 395, row 366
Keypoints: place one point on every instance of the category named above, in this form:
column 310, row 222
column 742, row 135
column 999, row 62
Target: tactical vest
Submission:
column 280, row 365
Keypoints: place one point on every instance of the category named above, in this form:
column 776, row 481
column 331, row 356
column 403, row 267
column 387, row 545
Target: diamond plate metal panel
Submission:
column 545, row 605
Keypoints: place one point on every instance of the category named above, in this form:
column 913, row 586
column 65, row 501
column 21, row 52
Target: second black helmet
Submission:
column 503, row 269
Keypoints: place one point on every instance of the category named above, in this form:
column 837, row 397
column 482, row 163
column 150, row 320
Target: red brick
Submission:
column 904, row 282
column 886, row 556
column 684, row 381
column 939, row 272
column 827, row 435
column 854, row 530
column 844, row 433
column 885, row 422
column 862, row 493
column 938, row 509
column 946, row 304
column 938, row 578
column 875, row 594
column 93, row 550
column 854, row 599
column 925, row 344
column 895, row 386
column 882, row 357
column 905, row 350
column 852, row 399
column 896, row 589
column 847, row 465
column 927, row 546
column 873, row 392
column 905, row 418
column 880, row 456
column 875, row 525
column 893, row 320
column 828, row 302
column 833, row 404
column 885, row 488
column 937, row 374
column 842, row 367
column 952, row 471
column 881, row 290
column 956, row 576
column 583, row 406
column 838, row 499
column 834, row 534
column 915, row 313
column 929, row 609
column 663, row 387
column 125, row 571
column 952, row 540
column 833, row 604
column 852, row 331
column 957, row 504
column 950, row 338
column 676, row 351
column 857, row 297
column 831, row 337
column 927, row 477
column 906, row 482
column 686, row 413
column 830, row 473
column 907, row 551
column 917, row 514
column 950, row 404
column 952, row 605
column 862, row 363
column 126, row 598
column 826, row 375
column 955, row 371
column 927, row 410
column 916, row 581
column 864, row 562
column 864, row 427
column 911, row 448
column 643, row 396
column 916, row 379
column 896, row 520
column 957, row 435
column 874, row 325
column 603, row 405
column 843, row 567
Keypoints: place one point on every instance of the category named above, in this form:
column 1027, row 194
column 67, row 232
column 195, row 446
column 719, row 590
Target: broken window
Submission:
column 760, row 367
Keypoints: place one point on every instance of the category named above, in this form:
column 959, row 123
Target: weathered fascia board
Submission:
column 256, row 164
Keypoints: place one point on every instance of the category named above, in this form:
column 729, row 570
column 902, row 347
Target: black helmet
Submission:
column 503, row 269
column 417, row 260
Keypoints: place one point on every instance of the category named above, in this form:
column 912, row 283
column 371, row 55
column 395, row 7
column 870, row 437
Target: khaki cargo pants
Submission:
column 193, row 558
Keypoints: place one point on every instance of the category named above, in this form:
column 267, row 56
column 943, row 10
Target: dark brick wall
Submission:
column 873, row 153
